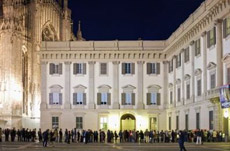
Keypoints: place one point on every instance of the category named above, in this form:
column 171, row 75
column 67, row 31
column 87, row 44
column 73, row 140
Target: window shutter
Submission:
column 123, row 68
column 60, row 98
column 74, row 98
column 158, row 68
column 133, row 98
column 84, row 68
column 60, row 68
column 148, row 68
column 228, row 75
column 133, row 68
column 84, row 98
column 77, row 68
column 214, row 35
column 98, row 98
column 158, row 99
column 148, row 98
column 188, row 54
column 224, row 28
column 51, row 98
column 123, row 98
column 208, row 39
column 74, row 68
column 52, row 68
column 103, row 68
column 109, row 98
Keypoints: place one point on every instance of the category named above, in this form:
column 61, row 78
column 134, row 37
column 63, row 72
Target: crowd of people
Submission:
column 89, row 136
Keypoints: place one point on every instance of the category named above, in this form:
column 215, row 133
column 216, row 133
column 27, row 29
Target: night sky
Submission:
column 130, row 19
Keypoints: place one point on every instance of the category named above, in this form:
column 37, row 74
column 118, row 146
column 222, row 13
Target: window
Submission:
column 103, row 95
column 197, row 47
column 213, row 81
column 198, row 120
column 153, row 98
column 177, row 122
column 211, row 37
column 128, row 68
column 79, row 68
column 178, row 95
column 170, row 122
column 178, row 60
column 55, row 68
column 103, row 98
column 171, row 97
column 79, row 95
column 186, row 55
column 103, row 67
column 188, row 91
column 55, row 122
column 128, row 98
column 226, row 27
column 211, row 122
column 55, row 96
column 171, row 66
column 103, row 123
column 153, row 95
column 79, row 122
column 199, row 87
column 153, row 68
column 79, row 98
column 228, row 75
column 153, row 123
column 186, row 121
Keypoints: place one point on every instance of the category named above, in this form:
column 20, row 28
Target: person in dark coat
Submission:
column 45, row 138
column 40, row 135
column 181, row 140
column 60, row 135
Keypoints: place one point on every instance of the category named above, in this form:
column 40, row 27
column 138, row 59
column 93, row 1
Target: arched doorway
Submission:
column 128, row 122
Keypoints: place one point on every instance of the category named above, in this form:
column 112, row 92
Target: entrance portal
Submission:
column 128, row 122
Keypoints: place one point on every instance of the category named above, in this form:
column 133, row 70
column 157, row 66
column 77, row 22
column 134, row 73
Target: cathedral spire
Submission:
column 79, row 33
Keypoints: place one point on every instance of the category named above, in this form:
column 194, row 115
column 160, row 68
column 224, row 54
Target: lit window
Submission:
column 128, row 98
column 103, row 123
column 104, row 98
column 79, row 123
column 55, row 122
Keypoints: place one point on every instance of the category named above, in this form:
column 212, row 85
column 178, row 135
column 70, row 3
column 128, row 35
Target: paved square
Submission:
column 112, row 147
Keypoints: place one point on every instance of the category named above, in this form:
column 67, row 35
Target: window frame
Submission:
column 79, row 124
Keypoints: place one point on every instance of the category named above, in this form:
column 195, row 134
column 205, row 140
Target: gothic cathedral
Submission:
column 24, row 24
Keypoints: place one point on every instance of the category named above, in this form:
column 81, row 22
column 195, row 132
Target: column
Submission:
column 139, row 104
column 115, row 104
column 165, row 83
column 219, row 52
column 174, row 79
column 67, row 104
column 91, row 104
column 182, row 77
column 204, row 79
column 44, row 85
column 192, row 86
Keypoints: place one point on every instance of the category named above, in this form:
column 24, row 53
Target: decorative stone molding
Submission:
column 92, row 62
column 169, row 114
column 170, row 85
column 116, row 62
column 218, row 21
column 178, row 81
column 197, row 109
column 186, row 111
column 187, row 77
column 204, row 34
column 79, row 114
column 226, row 58
column 192, row 42
column 55, row 113
column 153, row 88
column 128, row 87
column 198, row 72
column 177, row 113
column 140, row 62
column 211, row 65
column 67, row 62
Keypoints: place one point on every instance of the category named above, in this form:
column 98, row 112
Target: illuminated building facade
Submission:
column 170, row 84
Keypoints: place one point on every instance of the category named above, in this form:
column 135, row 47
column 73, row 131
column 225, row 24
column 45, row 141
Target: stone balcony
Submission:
column 211, row 94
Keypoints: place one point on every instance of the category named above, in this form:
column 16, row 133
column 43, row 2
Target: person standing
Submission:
column 198, row 137
column 181, row 140
column 40, row 135
column 45, row 138
column 60, row 135
column 0, row 134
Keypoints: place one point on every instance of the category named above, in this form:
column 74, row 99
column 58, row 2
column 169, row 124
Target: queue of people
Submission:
column 89, row 136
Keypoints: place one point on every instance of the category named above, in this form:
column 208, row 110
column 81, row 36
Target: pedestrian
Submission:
column 0, row 134
column 45, row 138
column 181, row 140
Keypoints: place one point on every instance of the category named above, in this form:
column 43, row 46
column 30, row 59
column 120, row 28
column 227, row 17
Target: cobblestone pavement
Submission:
column 112, row 147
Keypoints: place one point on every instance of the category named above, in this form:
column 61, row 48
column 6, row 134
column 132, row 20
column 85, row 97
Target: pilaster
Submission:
column 140, row 91
column 44, row 85
column 91, row 104
column 67, row 104
column 192, row 86
column 115, row 103
column 219, row 52
column 204, row 51
column 165, row 83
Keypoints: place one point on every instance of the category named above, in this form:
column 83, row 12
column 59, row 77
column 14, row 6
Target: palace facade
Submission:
column 171, row 84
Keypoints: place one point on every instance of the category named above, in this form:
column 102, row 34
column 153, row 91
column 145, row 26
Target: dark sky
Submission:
column 130, row 19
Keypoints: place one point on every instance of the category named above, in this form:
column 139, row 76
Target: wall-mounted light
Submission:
column 226, row 113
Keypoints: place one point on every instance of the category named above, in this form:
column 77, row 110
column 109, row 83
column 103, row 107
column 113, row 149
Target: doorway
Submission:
column 128, row 122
